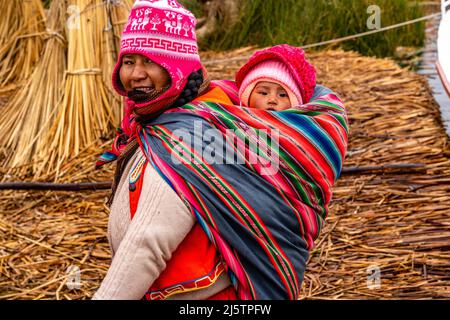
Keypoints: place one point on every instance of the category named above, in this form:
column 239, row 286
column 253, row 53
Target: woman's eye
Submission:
column 127, row 62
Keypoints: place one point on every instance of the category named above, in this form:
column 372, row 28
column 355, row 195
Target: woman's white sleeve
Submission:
column 160, row 224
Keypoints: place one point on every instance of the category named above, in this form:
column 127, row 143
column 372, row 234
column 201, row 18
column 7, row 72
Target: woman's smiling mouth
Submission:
column 140, row 94
column 146, row 90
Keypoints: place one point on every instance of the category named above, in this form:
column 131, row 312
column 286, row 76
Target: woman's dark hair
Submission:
column 190, row 91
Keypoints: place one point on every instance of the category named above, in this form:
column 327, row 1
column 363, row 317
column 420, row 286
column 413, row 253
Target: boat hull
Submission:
column 444, row 79
column 443, row 44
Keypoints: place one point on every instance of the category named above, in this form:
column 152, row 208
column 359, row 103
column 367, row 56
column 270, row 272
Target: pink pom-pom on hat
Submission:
column 164, row 32
column 282, row 64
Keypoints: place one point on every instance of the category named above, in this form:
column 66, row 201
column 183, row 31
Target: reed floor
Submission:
column 387, row 234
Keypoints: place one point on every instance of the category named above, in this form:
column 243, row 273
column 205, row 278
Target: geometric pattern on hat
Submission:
column 294, row 58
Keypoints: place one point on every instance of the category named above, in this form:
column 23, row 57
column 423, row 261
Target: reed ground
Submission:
column 396, row 222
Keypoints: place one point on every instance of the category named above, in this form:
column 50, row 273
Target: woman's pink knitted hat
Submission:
column 282, row 64
column 164, row 32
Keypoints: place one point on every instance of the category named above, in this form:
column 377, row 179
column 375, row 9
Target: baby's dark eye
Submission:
column 263, row 93
column 283, row 95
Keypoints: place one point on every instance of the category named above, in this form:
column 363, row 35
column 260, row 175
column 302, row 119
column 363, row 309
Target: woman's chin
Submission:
column 139, row 96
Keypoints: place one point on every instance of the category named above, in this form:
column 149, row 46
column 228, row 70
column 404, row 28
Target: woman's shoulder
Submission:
column 215, row 94
column 226, row 88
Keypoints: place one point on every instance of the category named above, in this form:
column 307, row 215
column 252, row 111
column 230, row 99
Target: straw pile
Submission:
column 21, row 31
column 68, row 103
column 85, row 113
column 397, row 221
column 31, row 111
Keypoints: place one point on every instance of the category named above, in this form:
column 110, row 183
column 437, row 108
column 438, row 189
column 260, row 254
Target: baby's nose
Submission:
column 273, row 100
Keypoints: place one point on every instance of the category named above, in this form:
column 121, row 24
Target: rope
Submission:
column 336, row 40
column 359, row 35
column 31, row 35
column 55, row 34
column 92, row 71
column 103, row 3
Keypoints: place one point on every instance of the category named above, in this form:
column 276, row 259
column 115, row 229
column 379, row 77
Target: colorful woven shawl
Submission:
column 259, row 182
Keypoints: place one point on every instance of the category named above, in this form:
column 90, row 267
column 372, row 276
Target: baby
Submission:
column 276, row 78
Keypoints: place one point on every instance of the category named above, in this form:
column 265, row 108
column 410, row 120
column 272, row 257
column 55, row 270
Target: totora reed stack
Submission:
column 85, row 113
column 31, row 110
column 68, row 103
column 21, row 38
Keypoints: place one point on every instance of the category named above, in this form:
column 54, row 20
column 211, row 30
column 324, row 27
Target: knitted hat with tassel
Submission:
column 164, row 32
column 282, row 64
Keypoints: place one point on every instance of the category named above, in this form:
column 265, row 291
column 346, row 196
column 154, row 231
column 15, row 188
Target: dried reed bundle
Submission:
column 28, row 120
column 31, row 110
column 121, row 11
column 10, row 22
column 85, row 113
column 116, row 16
column 21, row 32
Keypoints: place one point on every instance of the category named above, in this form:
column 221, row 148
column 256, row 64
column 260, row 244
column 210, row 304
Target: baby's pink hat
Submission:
column 282, row 64
column 272, row 71
column 164, row 32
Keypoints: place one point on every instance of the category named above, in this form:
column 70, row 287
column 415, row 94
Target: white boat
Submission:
column 443, row 62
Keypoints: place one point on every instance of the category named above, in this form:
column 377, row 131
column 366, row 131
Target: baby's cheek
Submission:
column 284, row 106
column 259, row 105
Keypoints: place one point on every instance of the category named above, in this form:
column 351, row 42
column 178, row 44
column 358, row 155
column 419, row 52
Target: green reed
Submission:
column 302, row 22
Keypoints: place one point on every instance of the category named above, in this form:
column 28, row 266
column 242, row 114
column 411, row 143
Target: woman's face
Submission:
column 140, row 74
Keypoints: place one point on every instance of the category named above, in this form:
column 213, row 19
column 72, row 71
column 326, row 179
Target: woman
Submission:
column 185, row 222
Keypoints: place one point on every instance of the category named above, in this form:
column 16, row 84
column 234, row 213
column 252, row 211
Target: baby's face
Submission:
column 269, row 96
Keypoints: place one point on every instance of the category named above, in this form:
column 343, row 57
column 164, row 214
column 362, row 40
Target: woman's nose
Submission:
column 138, row 73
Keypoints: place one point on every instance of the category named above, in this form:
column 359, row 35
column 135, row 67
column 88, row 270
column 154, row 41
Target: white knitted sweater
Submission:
column 141, row 247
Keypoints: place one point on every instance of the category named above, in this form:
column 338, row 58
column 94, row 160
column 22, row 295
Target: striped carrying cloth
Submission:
column 259, row 182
